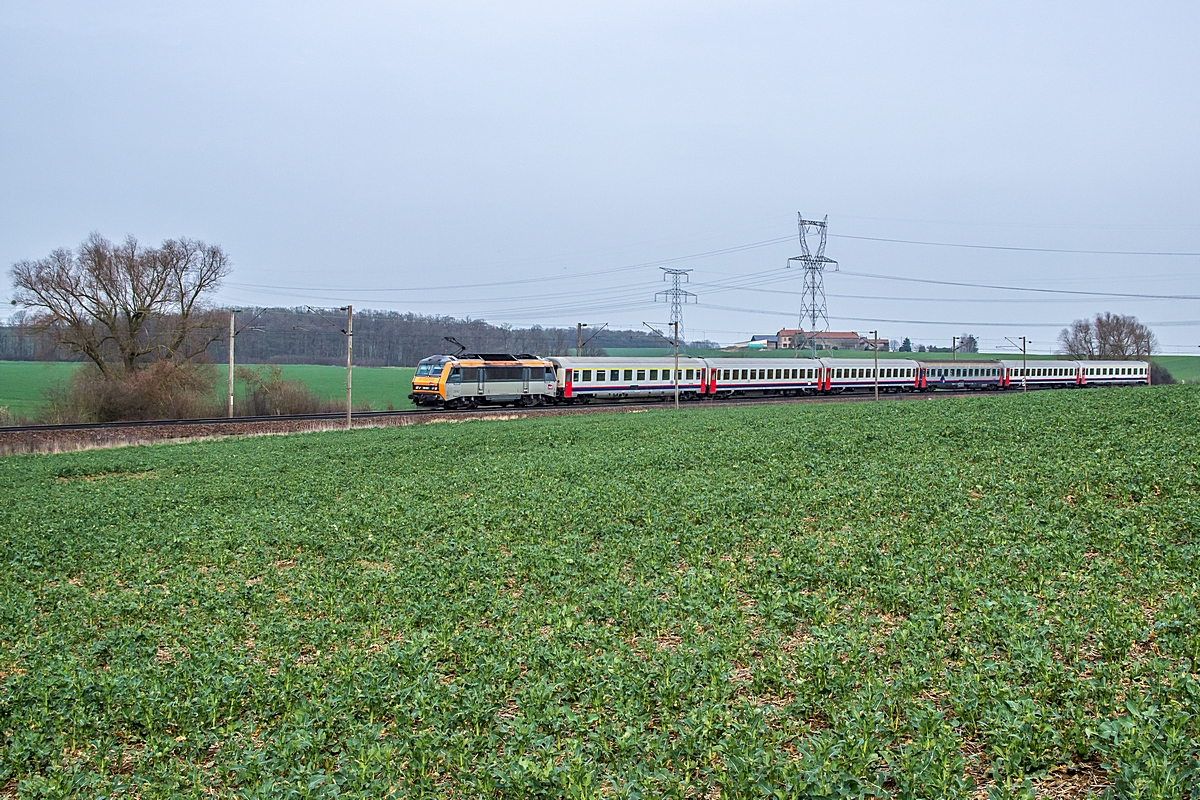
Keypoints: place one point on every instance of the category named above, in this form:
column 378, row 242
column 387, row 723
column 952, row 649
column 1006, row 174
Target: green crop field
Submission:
column 382, row 387
column 23, row 383
column 921, row 599
column 1182, row 368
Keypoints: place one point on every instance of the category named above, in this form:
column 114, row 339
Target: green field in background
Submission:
column 379, row 386
column 23, row 383
column 1182, row 368
column 909, row 600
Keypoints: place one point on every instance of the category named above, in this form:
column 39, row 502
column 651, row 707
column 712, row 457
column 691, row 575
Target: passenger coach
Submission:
column 581, row 380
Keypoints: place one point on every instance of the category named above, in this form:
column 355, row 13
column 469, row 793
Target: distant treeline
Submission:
column 381, row 338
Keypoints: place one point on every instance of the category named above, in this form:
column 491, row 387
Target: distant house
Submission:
column 790, row 338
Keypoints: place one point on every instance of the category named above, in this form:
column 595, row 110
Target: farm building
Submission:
column 788, row 338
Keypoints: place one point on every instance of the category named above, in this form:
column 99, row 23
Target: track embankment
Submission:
column 69, row 438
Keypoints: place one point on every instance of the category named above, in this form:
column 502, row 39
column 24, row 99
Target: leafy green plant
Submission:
column 912, row 600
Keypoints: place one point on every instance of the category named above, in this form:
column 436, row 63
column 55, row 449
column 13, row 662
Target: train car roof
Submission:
column 607, row 361
column 762, row 362
column 975, row 362
column 1112, row 363
column 1040, row 362
column 862, row 362
column 486, row 358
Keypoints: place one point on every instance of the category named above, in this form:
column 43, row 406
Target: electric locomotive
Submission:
column 480, row 379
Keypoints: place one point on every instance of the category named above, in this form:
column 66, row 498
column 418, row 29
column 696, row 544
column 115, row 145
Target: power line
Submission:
column 1016, row 249
column 1024, row 288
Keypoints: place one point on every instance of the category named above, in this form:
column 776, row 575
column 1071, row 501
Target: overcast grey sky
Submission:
column 517, row 161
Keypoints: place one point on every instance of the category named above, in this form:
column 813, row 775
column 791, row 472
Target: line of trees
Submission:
column 1107, row 336
column 381, row 338
column 389, row 338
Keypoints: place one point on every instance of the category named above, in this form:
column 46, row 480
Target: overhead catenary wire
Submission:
column 1018, row 249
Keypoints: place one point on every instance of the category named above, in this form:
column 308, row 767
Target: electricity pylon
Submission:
column 812, row 303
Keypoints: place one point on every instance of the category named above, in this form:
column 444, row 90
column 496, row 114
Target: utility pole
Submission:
column 232, row 335
column 675, row 326
column 674, row 342
column 1024, row 367
column 349, row 364
column 812, row 303
column 582, row 343
column 875, row 371
column 1024, row 363
column 678, row 298
column 954, row 348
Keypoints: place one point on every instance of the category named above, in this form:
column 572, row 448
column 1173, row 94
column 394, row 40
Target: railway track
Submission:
column 56, row 438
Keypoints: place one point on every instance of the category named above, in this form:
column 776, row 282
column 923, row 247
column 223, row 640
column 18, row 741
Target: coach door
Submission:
column 525, row 380
column 480, row 380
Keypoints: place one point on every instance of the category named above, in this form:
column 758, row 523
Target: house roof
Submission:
column 825, row 335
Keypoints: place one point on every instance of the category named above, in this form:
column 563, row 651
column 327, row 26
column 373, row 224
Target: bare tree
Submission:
column 124, row 305
column 1122, row 336
column 1107, row 336
column 967, row 343
column 1078, row 341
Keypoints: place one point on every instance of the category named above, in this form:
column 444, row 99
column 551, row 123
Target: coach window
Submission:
column 628, row 374
column 653, row 374
column 587, row 376
column 745, row 374
column 641, row 375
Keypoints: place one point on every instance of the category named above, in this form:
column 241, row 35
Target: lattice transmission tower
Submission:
column 677, row 297
column 812, row 303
